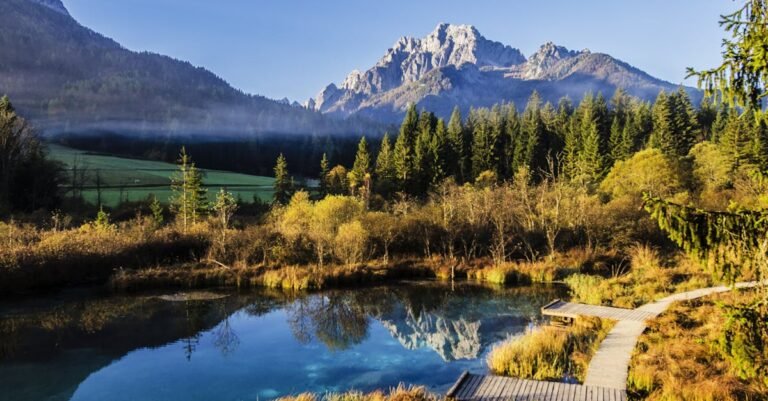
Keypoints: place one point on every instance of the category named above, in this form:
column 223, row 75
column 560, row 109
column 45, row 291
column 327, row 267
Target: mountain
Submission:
column 456, row 66
column 68, row 78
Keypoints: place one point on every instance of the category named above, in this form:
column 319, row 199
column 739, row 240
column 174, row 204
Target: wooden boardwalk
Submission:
column 471, row 387
column 570, row 310
column 606, row 378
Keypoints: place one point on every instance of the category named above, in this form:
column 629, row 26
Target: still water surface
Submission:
column 255, row 345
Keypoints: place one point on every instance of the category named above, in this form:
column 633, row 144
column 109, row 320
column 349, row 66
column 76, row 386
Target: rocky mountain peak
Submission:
column 55, row 5
column 455, row 65
column 410, row 59
column 551, row 50
column 548, row 55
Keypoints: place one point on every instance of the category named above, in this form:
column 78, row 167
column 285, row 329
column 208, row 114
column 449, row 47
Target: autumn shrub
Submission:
column 507, row 273
column 588, row 289
column 548, row 352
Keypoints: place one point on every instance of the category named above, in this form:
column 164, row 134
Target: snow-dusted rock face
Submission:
column 55, row 5
column 456, row 66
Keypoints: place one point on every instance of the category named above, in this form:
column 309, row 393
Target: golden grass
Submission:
column 399, row 393
column 677, row 357
column 518, row 273
column 550, row 353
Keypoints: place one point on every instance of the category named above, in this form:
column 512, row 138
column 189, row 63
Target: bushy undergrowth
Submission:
column 32, row 258
column 549, row 352
column 681, row 355
column 646, row 278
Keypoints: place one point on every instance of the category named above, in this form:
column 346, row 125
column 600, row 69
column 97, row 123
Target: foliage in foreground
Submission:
column 682, row 355
column 550, row 353
column 400, row 393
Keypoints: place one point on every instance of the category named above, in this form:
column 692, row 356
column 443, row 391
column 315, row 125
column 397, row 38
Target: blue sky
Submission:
column 293, row 48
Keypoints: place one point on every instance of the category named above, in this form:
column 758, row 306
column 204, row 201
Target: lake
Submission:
column 255, row 345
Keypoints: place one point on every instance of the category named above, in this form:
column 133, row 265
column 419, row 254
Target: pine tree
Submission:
column 199, row 195
column 760, row 144
column 617, row 141
column 721, row 120
column 385, row 168
column 422, row 167
column 591, row 157
column 440, row 153
column 361, row 168
column 157, row 211
column 458, row 155
column 686, row 129
column 482, row 144
column 705, row 117
column 325, row 168
column 512, row 134
column 529, row 147
column 283, row 184
column 662, row 137
column 736, row 140
column 189, row 201
column 404, row 146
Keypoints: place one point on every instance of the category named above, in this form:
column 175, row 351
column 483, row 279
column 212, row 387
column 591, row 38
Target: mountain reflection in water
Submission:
column 254, row 345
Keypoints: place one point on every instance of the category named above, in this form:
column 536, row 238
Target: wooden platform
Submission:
column 472, row 387
column 560, row 308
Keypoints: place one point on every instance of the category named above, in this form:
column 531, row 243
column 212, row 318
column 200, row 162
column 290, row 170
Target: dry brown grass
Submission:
column 677, row 357
column 550, row 353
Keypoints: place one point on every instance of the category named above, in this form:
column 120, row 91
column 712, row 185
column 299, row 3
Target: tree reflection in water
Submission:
column 333, row 318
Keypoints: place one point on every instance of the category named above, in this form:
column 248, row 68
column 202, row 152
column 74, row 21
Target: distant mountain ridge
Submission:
column 68, row 78
column 456, row 66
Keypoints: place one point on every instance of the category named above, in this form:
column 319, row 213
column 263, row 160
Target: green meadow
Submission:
column 124, row 179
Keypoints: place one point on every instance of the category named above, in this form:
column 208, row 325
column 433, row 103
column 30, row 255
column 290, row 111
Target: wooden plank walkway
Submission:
column 606, row 378
column 570, row 310
column 472, row 387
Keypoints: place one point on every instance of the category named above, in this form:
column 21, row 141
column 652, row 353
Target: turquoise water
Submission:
column 255, row 345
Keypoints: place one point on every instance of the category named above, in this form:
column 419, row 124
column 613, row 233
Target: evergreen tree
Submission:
column 662, row 137
column 157, row 211
column 361, row 168
column 458, row 155
column 283, row 184
column 721, row 120
column 189, row 201
column 617, row 142
column 591, row 157
column 512, row 136
column 705, row 118
column 440, row 151
column 529, row 147
column 602, row 119
column 736, row 140
column 422, row 167
column 482, row 144
column 385, row 168
column 325, row 168
column 686, row 129
column 760, row 144
column 404, row 145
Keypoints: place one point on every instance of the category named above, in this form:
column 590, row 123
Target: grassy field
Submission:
column 123, row 179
